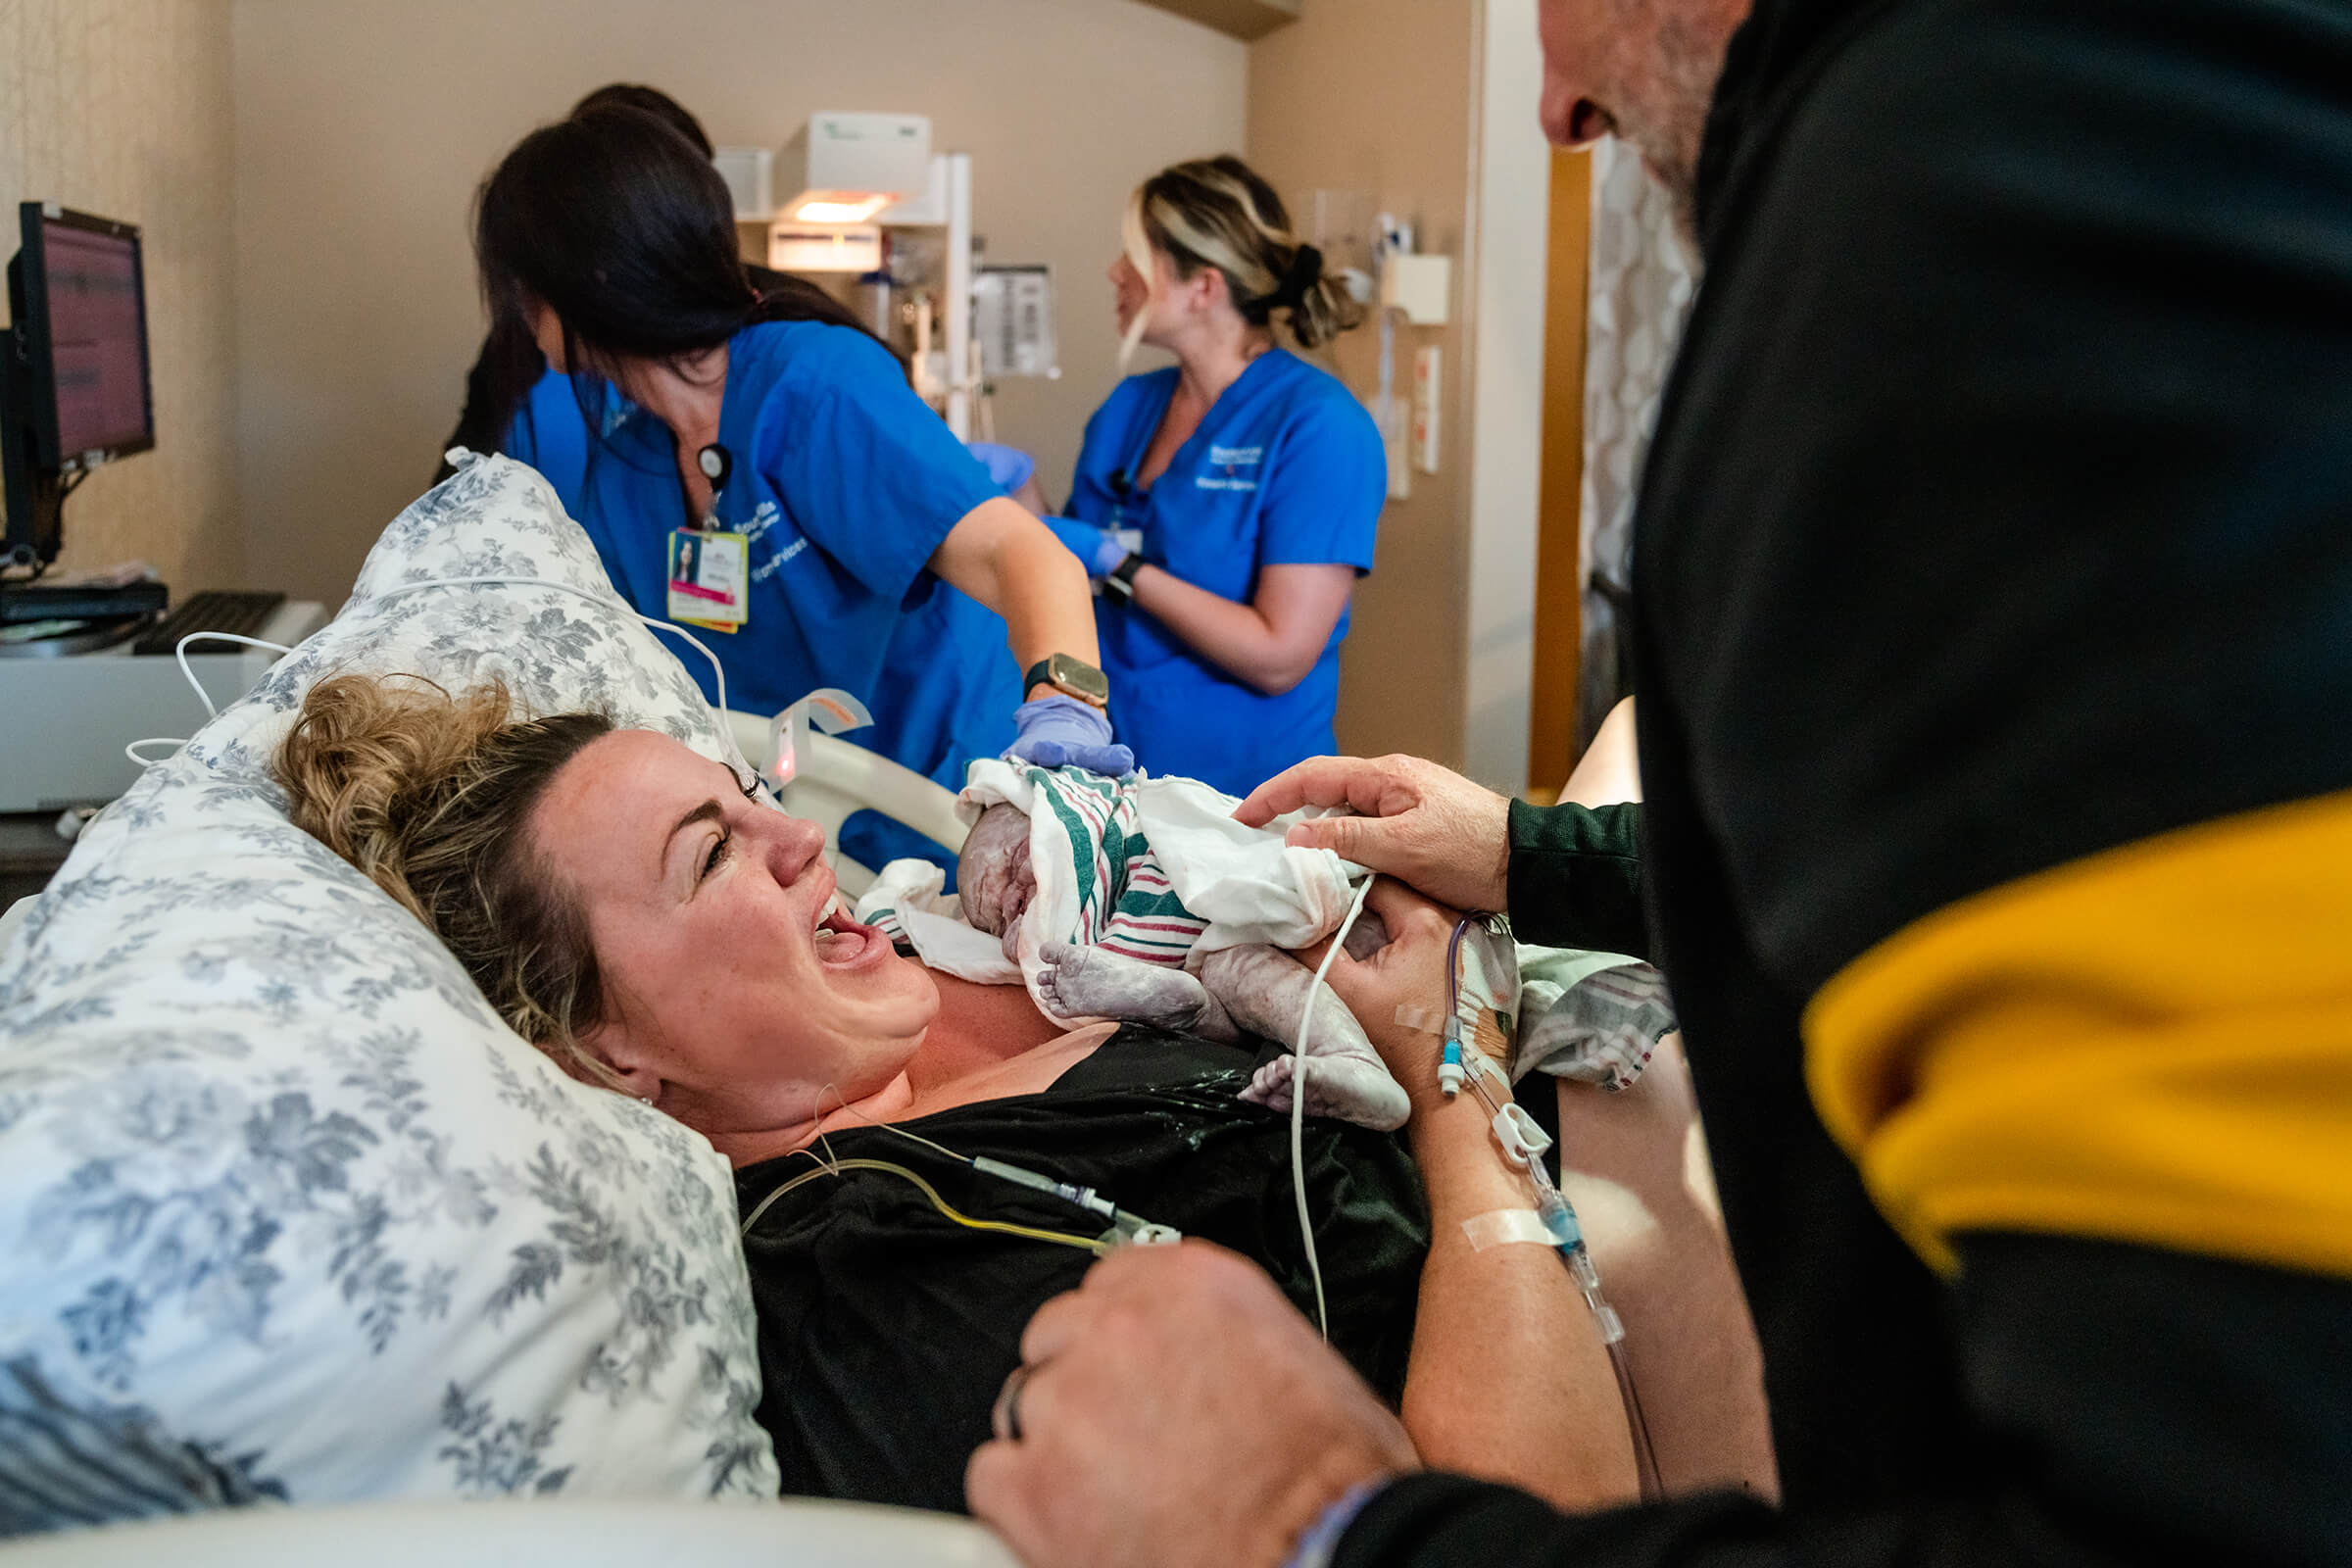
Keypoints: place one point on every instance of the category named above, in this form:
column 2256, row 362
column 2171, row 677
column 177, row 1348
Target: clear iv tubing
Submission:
column 1551, row 1201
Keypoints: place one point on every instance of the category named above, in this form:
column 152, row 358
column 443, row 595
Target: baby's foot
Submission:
column 1087, row 982
column 1354, row 1088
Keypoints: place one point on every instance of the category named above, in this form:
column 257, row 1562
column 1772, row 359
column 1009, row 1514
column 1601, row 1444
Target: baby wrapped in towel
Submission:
column 1143, row 899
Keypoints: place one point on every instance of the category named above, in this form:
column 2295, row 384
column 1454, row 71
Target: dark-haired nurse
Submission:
column 1228, row 503
column 765, row 472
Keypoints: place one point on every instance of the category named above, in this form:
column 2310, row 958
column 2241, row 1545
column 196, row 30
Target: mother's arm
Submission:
column 1509, row 1379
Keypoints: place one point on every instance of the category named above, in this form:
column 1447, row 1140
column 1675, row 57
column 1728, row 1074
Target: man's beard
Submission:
column 1676, row 92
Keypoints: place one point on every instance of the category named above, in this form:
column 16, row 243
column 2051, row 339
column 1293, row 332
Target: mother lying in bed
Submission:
column 631, row 910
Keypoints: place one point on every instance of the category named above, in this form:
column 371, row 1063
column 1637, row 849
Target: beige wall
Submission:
column 122, row 109
column 1377, row 95
column 364, row 128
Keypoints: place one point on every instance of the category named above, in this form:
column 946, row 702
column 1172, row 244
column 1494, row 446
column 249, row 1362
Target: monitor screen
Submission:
column 97, row 338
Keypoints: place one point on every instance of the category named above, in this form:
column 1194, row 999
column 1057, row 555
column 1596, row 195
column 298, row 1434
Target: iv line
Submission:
column 1551, row 1202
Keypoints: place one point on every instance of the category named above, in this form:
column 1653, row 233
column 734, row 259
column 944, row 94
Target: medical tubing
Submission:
column 604, row 601
column 1559, row 1217
column 1645, row 1457
column 1084, row 1244
column 1084, row 1197
column 1128, row 1224
column 1307, row 1017
column 180, row 654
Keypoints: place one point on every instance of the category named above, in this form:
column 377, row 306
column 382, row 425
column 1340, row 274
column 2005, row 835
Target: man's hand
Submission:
column 1176, row 1409
column 1423, row 825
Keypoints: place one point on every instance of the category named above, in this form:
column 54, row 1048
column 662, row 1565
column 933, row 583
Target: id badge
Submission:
column 709, row 578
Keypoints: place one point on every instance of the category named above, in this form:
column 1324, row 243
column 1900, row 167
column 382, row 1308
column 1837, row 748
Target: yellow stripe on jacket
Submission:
column 2153, row 1044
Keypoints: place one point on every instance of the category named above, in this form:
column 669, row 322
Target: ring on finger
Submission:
column 1006, row 1417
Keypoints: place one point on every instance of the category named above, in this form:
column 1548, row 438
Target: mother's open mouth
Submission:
column 843, row 942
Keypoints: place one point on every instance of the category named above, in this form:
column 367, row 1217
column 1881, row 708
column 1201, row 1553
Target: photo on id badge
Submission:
column 709, row 578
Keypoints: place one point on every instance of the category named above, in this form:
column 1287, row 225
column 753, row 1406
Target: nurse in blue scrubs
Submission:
column 759, row 470
column 1228, row 503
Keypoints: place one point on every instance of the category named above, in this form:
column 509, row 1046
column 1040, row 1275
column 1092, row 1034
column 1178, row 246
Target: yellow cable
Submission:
column 1086, row 1243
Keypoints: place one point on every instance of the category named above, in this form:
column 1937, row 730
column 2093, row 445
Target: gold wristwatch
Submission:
column 1072, row 677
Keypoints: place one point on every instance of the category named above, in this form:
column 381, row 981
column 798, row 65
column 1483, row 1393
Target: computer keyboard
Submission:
column 243, row 615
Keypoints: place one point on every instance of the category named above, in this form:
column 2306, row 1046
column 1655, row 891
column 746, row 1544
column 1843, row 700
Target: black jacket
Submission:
column 1999, row 517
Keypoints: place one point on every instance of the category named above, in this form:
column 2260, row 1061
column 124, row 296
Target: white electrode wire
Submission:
column 1306, row 1016
column 132, row 751
column 718, row 674
column 181, row 653
column 604, row 599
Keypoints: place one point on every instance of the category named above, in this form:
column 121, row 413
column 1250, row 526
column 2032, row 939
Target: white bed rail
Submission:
column 795, row 1533
column 832, row 778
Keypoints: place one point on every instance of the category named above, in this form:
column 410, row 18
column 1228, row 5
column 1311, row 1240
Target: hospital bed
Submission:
column 832, row 778
column 188, row 949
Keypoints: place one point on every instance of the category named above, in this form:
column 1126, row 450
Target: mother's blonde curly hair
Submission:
column 430, row 794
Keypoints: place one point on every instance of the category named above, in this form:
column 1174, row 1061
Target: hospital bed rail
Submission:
column 833, row 779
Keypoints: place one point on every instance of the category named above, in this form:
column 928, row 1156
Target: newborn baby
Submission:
column 1126, row 946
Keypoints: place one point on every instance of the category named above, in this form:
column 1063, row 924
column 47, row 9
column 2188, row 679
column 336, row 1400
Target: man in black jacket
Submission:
column 1994, row 556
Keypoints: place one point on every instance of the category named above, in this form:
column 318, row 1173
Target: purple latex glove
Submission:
column 1060, row 731
column 1109, row 553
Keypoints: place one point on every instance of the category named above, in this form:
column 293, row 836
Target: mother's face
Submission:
column 737, row 992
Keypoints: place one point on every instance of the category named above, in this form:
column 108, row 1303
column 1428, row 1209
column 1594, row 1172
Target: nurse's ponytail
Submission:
column 1217, row 212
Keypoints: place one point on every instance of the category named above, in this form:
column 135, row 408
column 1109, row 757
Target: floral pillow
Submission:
column 285, row 1212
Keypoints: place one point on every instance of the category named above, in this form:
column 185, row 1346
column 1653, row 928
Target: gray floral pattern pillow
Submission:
column 285, row 1212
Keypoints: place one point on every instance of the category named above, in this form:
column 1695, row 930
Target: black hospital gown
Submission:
column 886, row 1330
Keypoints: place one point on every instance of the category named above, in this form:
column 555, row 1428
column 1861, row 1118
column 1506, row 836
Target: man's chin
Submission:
column 1678, row 178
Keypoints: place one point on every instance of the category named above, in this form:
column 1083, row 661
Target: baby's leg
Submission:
column 1269, row 992
column 1088, row 981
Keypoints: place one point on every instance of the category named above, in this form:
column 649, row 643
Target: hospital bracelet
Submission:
column 1322, row 1538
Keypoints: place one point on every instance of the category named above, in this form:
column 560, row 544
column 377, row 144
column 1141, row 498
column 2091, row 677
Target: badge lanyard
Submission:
column 1122, row 491
column 710, row 566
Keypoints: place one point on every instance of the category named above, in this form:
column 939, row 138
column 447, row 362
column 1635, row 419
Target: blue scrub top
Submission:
column 1285, row 469
column 846, row 483
column 549, row 433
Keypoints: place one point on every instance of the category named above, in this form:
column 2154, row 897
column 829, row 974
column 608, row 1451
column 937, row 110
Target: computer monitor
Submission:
column 76, row 391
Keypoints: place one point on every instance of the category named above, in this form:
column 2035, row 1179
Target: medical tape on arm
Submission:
column 1506, row 1227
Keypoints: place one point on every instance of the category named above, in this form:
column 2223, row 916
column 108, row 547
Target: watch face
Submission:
column 1078, row 677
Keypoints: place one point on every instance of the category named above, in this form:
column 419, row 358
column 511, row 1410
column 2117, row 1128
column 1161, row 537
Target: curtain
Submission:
column 1642, row 286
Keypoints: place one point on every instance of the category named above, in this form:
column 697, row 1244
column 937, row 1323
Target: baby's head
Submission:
column 993, row 876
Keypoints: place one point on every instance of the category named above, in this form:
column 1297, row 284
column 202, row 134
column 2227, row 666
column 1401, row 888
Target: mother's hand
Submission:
column 1411, row 972
column 1423, row 825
